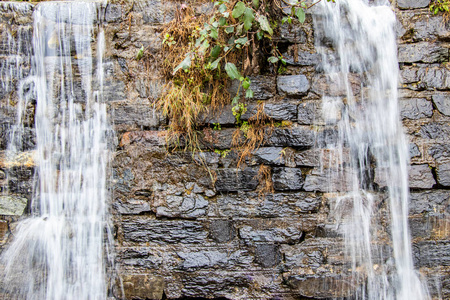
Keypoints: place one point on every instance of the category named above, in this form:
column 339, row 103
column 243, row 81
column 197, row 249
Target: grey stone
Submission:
column 131, row 117
column 309, row 112
column 429, row 202
column 155, row 11
column 12, row 205
column 203, row 259
column 263, row 87
column 140, row 257
column 141, row 230
column 293, row 85
column 414, row 150
column 191, row 206
column 304, row 58
column 132, row 207
column 437, row 131
column 422, row 52
column 233, row 180
column 252, row 205
column 443, row 173
column 293, row 33
column 439, row 150
column 304, row 256
column 426, row 27
column 268, row 255
column 222, row 231
column 220, row 139
column 290, row 234
column 308, row 158
column 426, row 77
column 322, row 287
column 214, row 284
column 113, row 13
column 409, row 4
column 431, row 253
column 268, row 156
column 281, row 111
column 324, row 180
column 286, row 179
column 416, row 108
column 442, row 102
column 300, row 136
column 421, row 177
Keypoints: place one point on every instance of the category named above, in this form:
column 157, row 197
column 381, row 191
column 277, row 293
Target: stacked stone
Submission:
column 184, row 231
column 16, row 24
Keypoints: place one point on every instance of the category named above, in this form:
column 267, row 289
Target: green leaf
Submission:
column 241, row 41
column 215, row 51
column 256, row 4
column 272, row 59
column 205, row 45
column 215, row 64
column 235, row 101
column 185, row 64
column 283, row 61
column 264, row 23
column 140, row 53
column 259, row 35
column 239, row 29
column 215, row 24
column 214, row 33
column 229, row 29
column 238, row 10
column 248, row 18
column 222, row 8
column 222, row 21
column 284, row 20
column 246, row 83
column 226, row 14
column 232, row 71
column 300, row 13
column 249, row 94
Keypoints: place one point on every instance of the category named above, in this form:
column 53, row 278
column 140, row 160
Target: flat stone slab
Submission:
column 409, row 4
column 12, row 205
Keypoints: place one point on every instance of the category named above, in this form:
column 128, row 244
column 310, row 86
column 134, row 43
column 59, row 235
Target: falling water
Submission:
column 58, row 253
column 358, row 45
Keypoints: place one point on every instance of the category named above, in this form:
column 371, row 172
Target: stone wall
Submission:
column 180, row 234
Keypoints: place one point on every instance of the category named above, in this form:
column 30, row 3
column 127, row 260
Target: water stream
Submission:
column 358, row 45
column 59, row 252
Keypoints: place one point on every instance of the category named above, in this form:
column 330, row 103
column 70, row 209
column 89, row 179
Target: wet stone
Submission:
column 222, row 231
column 435, row 131
column 12, row 205
column 442, row 102
column 429, row 202
column 414, row 150
column 415, row 108
column 286, row 179
column 132, row 207
column 137, row 257
column 263, row 87
column 292, row 137
column 293, row 85
column 431, row 253
column 142, row 286
column 141, row 230
column 113, row 13
column 268, row 255
column 293, row 33
column 191, row 206
column 409, row 4
column 233, row 180
column 422, row 52
column 421, row 177
column 443, row 173
column 277, row 233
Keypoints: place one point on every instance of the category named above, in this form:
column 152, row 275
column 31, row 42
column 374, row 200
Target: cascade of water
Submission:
column 58, row 253
column 358, row 45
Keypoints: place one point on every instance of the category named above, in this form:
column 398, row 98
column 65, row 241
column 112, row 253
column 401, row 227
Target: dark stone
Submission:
column 276, row 111
column 268, row 156
column 131, row 117
column 272, row 231
column 429, row 202
column 442, row 102
column 307, row 158
column 252, row 205
column 426, row 27
column 113, row 13
column 305, row 255
column 326, row 180
column 293, row 85
column 431, row 253
column 293, row 33
column 300, row 136
column 414, row 150
column 191, row 206
column 421, row 177
column 439, row 150
column 268, row 255
column 443, row 173
column 309, row 112
column 212, row 284
column 221, row 139
column 155, row 11
column 140, row 257
column 233, row 180
column 422, row 52
column 132, row 207
column 409, row 4
column 426, row 77
column 286, row 179
column 205, row 258
column 321, row 287
column 304, row 58
column 435, row 131
column 263, row 87
column 415, row 108
column 222, row 231
column 114, row 90
column 141, row 230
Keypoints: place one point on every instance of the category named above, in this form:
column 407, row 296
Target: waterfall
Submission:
column 357, row 42
column 61, row 251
